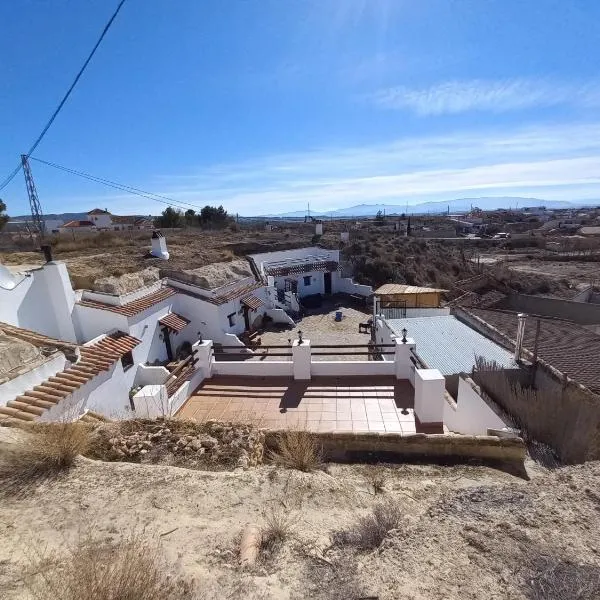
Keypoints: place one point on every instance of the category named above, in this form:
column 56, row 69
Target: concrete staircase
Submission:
column 93, row 360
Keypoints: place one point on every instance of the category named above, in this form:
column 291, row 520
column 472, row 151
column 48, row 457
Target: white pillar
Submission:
column 319, row 229
column 202, row 352
column 430, row 386
column 301, row 359
column 402, row 357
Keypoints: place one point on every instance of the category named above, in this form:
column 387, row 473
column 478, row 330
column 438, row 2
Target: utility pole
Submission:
column 36, row 209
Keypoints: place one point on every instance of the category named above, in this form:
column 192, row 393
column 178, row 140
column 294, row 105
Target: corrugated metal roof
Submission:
column 447, row 344
column 401, row 288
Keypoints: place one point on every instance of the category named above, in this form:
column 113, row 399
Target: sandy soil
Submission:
column 467, row 531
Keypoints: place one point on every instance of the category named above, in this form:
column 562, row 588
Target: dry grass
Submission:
column 560, row 580
column 40, row 452
column 297, row 450
column 568, row 419
column 278, row 525
column 129, row 569
column 376, row 478
column 369, row 531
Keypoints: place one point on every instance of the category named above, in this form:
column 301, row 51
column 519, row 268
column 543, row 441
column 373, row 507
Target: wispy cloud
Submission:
column 454, row 97
column 554, row 162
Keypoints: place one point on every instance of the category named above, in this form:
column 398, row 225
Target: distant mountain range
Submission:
column 62, row 216
column 454, row 206
column 458, row 205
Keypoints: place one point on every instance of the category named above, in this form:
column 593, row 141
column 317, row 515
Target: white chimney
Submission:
column 159, row 245
column 345, row 236
column 319, row 229
column 520, row 334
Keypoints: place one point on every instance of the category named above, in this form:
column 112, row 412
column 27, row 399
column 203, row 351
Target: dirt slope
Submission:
column 467, row 532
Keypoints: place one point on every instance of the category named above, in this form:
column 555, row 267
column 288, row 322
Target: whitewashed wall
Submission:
column 266, row 368
column 470, row 414
column 92, row 322
column 54, row 364
column 148, row 375
column 28, row 305
column 347, row 286
column 348, row 368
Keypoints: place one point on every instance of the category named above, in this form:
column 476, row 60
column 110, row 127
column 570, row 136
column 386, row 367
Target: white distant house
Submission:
column 104, row 220
column 291, row 275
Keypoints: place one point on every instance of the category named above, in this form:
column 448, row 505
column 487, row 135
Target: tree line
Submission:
column 210, row 217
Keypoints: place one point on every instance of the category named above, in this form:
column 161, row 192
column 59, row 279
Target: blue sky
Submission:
column 266, row 105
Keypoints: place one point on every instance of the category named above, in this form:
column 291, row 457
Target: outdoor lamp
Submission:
column 404, row 332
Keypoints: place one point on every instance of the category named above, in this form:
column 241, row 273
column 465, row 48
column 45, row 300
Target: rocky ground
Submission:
column 459, row 531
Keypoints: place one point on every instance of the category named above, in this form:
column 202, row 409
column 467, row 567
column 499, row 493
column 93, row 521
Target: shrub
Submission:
column 129, row 569
column 39, row 453
column 297, row 450
column 277, row 528
column 376, row 478
column 369, row 531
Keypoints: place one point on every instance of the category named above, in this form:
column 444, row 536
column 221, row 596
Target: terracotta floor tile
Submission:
column 377, row 427
column 360, row 426
column 327, row 426
column 343, row 425
column 328, row 416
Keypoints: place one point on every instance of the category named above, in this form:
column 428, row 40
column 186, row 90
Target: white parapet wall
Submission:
column 471, row 414
column 150, row 375
column 349, row 368
column 14, row 387
column 253, row 368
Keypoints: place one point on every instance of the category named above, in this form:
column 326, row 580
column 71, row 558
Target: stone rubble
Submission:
column 241, row 446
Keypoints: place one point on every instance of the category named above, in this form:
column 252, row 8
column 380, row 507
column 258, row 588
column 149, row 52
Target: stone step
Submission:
column 52, row 390
column 16, row 413
column 35, row 401
column 25, row 407
column 42, row 396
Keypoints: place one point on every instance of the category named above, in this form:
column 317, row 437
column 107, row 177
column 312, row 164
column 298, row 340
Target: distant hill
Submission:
column 456, row 205
column 62, row 216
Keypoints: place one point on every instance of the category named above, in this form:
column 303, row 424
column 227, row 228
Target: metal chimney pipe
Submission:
column 520, row 334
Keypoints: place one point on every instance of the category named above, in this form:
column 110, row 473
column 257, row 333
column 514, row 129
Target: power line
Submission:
column 120, row 186
column 66, row 96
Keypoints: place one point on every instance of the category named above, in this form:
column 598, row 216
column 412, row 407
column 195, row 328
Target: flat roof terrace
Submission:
column 357, row 404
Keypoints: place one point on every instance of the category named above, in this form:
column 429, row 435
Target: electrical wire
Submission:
column 66, row 96
column 120, row 186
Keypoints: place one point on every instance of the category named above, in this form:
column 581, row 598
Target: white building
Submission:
column 291, row 275
column 67, row 354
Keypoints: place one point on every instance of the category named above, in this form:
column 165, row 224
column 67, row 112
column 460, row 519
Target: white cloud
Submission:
column 549, row 162
column 454, row 97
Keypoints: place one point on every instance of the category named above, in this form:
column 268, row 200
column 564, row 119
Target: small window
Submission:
column 307, row 279
column 231, row 319
column 127, row 360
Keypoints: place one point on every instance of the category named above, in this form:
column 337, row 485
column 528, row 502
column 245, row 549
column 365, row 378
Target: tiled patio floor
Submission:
column 323, row 404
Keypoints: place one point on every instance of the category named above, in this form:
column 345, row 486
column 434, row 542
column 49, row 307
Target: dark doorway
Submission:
column 327, row 283
column 167, row 339
column 246, row 318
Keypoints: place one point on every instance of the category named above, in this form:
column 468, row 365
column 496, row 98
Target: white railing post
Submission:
column 203, row 353
column 301, row 359
column 402, row 357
